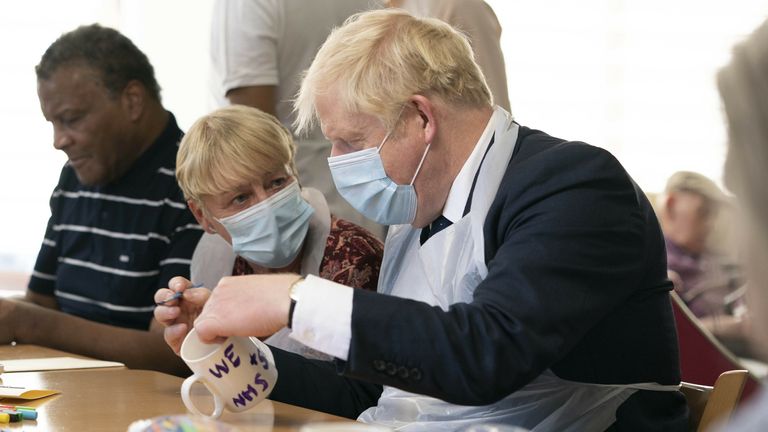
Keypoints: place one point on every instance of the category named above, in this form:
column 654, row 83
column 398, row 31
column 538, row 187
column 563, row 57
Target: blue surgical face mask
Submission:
column 271, row 232
column 360, row 178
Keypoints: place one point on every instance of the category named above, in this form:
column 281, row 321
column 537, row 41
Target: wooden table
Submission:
column 21, row 351
column 110, row 399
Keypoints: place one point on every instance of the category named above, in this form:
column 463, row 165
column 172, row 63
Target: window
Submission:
column 634, row 77
column 173, row 33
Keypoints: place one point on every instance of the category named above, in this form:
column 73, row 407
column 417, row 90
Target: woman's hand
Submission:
column 178, row 315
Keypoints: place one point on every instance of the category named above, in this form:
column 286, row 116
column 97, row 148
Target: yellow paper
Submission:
column 15, row 392
column 55, row 363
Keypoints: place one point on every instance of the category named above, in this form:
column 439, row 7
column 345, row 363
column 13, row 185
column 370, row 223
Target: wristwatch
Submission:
column 293, row 293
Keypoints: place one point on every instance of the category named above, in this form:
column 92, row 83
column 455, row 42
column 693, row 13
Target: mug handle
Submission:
column 185, row 389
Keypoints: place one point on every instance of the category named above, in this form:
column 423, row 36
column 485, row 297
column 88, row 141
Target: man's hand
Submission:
column 178, row 315
column 255, row 305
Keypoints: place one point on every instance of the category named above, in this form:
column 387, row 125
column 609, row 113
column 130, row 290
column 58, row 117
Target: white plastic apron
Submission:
column 446, row 270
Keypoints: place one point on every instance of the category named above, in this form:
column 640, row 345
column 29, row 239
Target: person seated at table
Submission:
column 703, row 269
column 119, row 227
column 523, row 279
column 236, row 169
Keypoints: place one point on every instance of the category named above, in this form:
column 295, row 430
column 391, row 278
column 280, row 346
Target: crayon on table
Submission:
column 13, row 416
column 22, row 414
column 18, row 407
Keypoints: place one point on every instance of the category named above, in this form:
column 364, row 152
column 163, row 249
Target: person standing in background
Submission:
column 476, row 19
column 259, row 51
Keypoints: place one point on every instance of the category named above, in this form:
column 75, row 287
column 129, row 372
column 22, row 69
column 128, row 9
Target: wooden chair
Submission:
column 708, row 405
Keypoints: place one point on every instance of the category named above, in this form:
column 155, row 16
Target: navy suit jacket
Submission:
column 576, row 284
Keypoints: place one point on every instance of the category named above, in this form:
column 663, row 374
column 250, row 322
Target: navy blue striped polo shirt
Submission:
column 107, row 249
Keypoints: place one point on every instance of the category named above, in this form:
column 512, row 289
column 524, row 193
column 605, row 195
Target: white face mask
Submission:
column 360, row 178
column 271, row 232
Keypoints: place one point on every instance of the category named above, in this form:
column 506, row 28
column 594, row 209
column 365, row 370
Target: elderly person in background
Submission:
column 523, row 281
column 688, row 210
column 236, row 168
column 744, row 89
column 700, row 260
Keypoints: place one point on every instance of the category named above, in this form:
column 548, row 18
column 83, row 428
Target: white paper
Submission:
column 55, row 363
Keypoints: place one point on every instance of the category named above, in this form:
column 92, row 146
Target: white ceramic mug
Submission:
column 240, row 372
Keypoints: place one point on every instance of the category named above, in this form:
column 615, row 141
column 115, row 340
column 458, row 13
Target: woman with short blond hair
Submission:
column 236, row 169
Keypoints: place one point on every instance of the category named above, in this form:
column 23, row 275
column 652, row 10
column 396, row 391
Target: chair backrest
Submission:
column 702, row 357
column 708, row 405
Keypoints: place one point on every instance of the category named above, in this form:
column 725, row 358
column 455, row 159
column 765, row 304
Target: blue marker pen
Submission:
column 176, row 295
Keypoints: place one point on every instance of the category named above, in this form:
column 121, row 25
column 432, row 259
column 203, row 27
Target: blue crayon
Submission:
column 28, row 415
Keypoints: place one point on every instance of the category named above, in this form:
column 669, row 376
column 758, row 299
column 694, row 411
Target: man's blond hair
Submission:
column 378, row 59
column 229, row 147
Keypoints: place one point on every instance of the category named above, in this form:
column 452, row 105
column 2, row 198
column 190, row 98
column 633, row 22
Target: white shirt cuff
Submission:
column 322, row 319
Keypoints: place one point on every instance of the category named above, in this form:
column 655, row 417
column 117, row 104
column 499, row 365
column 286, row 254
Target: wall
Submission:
column 635, row 77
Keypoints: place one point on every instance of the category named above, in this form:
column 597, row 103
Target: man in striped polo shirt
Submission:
column 119, row 226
